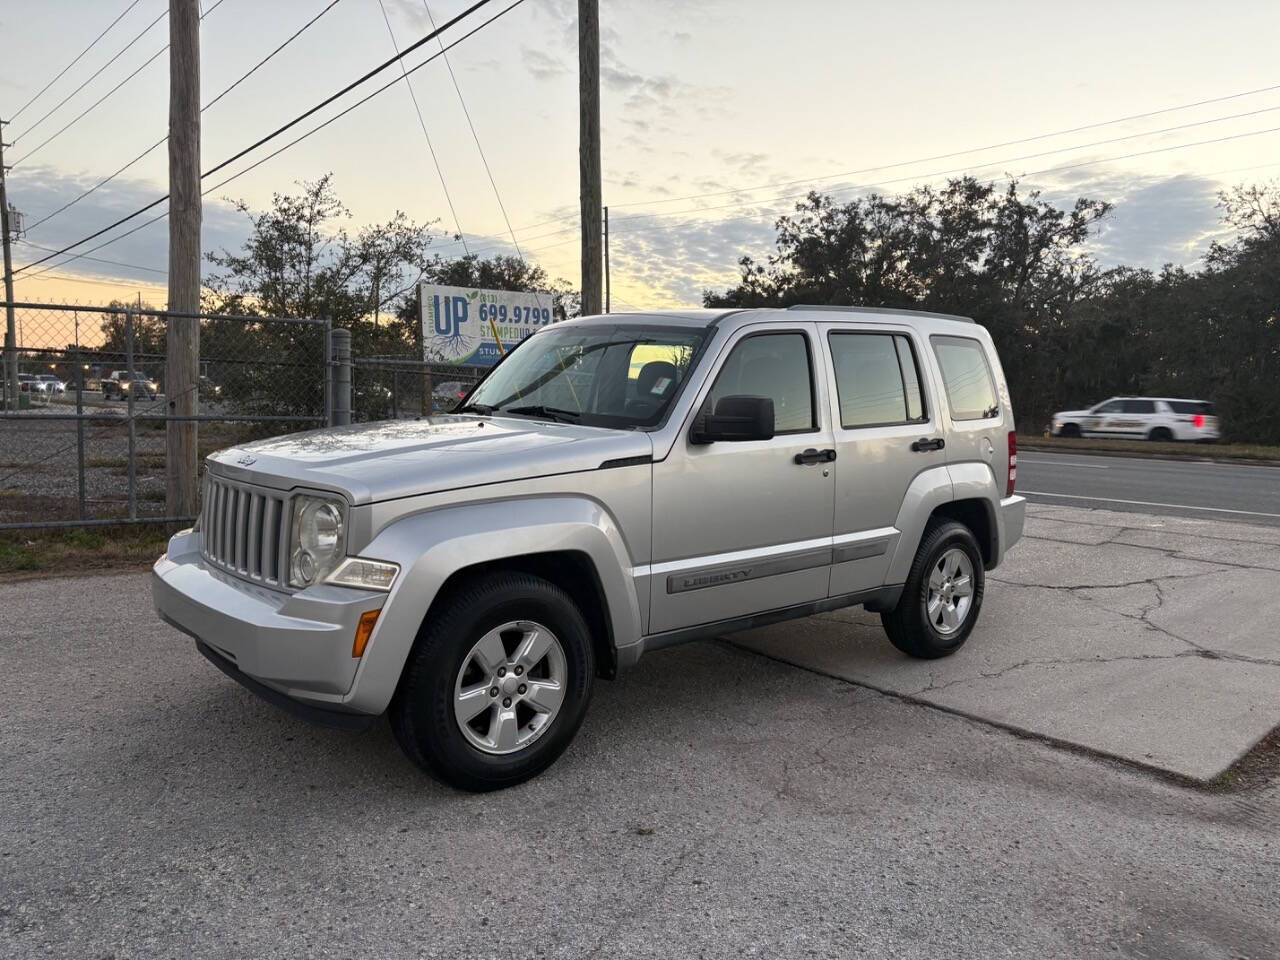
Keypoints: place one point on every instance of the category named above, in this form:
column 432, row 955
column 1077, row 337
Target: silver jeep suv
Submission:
column 615, row 485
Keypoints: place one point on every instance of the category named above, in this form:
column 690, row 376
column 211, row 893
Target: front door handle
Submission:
column 815, row 456
column 924, row 445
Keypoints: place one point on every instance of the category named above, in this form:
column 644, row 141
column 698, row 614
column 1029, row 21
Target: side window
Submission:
column 970, row 390
column 1139, row 406
column 1114, row 406
column 774, row 365
column 876, row 379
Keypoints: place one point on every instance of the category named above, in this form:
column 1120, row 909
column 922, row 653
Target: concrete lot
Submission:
column 716, row 804
column 1149, row 638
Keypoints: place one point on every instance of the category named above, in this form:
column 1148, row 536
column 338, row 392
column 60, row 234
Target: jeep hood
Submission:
column 402, row 458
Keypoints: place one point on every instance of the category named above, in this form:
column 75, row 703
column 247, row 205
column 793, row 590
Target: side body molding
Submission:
column 931, row 488
column 432, row 545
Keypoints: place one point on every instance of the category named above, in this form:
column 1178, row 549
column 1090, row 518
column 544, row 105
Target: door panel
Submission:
column 874, row 377
column 739, row 528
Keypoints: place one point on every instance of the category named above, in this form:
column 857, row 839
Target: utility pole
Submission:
column 589, row 150
column 10, row 341
column 606, row 260
column 182, row 352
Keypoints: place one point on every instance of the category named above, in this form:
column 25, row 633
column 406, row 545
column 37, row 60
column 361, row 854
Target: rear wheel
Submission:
column 497, row 683
column 1161, row 435
column 942, row 597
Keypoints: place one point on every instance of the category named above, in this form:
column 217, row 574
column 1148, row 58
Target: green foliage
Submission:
column 1069, row 333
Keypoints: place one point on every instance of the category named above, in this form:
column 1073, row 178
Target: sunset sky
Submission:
column 715, row 115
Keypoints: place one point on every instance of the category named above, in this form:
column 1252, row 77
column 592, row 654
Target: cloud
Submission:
column 43, row 189
column 1155, row 220
column 541, row 65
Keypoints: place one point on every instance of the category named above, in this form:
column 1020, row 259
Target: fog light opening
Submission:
column 364, row 630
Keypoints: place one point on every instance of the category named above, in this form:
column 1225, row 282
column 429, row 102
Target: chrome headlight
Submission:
column 316, row 540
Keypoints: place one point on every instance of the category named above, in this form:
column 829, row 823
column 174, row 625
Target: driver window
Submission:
column 774, row 365
column 1110, row 407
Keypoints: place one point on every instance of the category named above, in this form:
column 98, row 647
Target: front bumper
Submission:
column 298, row 646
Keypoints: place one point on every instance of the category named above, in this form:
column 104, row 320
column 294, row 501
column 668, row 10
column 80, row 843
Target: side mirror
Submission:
column 735, row 418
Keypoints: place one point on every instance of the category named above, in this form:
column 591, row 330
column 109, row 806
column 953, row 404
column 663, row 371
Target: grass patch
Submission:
column 77, row 551
column 1189, row 451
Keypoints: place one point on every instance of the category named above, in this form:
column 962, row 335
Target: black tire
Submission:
column 422, row 714
column 908, row 624
column 1069, row 430
column 1161, row 435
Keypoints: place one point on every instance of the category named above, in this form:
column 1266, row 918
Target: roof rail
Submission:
column 836, row 308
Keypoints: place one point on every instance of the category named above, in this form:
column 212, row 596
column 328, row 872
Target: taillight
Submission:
column 1013, row 464
column 1198, row 421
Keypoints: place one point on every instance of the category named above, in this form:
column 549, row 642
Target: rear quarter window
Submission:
column 966, row 375
column 1190, row 406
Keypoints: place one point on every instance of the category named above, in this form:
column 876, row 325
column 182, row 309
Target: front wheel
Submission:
column 942, row 596
column 497, row 683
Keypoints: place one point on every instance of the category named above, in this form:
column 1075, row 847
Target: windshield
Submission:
column 609, row 375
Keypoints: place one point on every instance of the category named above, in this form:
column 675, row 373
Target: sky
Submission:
column 715, row 116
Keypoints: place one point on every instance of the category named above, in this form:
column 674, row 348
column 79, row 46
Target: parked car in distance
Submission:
column 35, row 387
column 56, row 385
column 445, row 396
column 120, row 386
column 1141, row 418
column 616, row 485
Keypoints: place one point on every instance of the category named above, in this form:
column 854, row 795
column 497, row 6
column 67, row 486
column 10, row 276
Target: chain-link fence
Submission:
column 84, row 404
column 399, row 388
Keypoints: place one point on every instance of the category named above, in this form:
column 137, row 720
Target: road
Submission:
column 1221, row 491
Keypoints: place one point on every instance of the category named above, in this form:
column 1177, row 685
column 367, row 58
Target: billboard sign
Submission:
column 458, row 323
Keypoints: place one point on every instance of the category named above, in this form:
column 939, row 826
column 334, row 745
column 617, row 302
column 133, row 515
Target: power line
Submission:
column 93, row 106
column 255, row 164
column 292, row 123
column 956, row 153
column 93, row 76
column 243, row 77
column 956, row 170
column 423, row 124
column 1026, row 156
column 77, row 59
column 475, row 136
column 114, row 263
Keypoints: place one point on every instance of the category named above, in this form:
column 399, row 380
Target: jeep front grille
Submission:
column 243, row 530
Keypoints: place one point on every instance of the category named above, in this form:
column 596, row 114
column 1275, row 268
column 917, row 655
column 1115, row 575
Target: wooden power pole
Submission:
column 10, row 377
column 182, row 357
column 589, row 151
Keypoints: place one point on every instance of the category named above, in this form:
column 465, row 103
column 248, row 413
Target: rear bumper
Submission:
column 296, row 646
column 1010, row 519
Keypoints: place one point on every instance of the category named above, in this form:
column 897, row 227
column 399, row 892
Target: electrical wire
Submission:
column 957, row 153
column 93, row 106
column 423, row 124
column 58, row 106
column 252, row 166
column 292, row 123
column 77, row 59
column 476, row 137
column 243, row 77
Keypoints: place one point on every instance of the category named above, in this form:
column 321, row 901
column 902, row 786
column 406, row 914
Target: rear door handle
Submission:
column 923, row 445
column 815, row 456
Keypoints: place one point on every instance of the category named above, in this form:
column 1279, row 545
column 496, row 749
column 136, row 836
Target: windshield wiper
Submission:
column 483, row 409
column 551, row 413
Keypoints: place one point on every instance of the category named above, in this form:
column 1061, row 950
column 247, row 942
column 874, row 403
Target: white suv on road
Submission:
column 1143, row 418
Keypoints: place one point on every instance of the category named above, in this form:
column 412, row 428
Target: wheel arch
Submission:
column 557, row 538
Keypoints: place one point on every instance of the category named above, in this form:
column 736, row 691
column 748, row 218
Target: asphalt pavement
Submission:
column 1242, row 493
column 716, row 803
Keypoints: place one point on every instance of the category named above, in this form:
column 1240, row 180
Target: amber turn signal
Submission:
column 364, row 630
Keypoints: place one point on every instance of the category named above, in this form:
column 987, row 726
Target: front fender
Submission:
column 433, row 545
